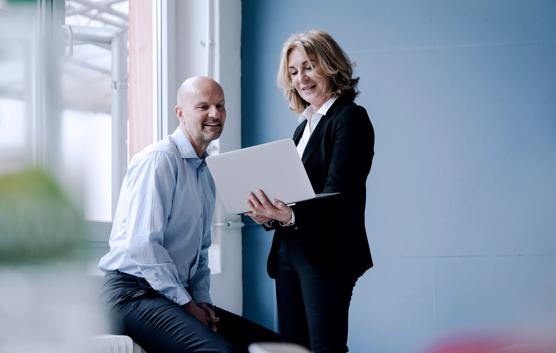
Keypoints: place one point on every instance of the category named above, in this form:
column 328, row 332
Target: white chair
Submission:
column 276, row 348
column 115, row 344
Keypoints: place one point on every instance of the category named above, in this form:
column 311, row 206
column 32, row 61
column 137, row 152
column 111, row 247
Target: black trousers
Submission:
column 159, row 325
column 313, row 307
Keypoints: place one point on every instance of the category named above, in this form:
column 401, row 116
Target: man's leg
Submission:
column 159, row 325
column 241, row 332
column 154, row 322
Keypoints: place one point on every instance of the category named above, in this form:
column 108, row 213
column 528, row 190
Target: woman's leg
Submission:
column 326, row 300
column 292, row 321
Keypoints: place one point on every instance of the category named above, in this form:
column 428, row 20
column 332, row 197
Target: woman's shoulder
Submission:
column 346, row 109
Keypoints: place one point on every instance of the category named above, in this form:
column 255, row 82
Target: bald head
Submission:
column 195, row 84
column 201, row 111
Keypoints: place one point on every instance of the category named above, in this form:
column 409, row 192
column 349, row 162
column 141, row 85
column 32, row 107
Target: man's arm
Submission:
column 150, row 184
column 200, row 282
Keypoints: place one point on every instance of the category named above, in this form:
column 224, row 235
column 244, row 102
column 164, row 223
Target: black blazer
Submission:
column 337, row 158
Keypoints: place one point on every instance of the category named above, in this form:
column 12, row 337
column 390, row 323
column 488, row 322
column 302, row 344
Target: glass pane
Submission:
column 14, row 63
column 87, row 101
column 86, row 150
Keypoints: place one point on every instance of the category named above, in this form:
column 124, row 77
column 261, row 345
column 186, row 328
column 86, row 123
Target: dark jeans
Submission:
column 313, row 307
column 158, row 324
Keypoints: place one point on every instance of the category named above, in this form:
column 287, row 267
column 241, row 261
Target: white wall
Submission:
column 191, row 25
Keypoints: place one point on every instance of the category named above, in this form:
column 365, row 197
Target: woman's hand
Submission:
column 258, row 219
column 262, row 210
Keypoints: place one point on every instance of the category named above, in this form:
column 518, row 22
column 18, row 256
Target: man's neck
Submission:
column 199, row 148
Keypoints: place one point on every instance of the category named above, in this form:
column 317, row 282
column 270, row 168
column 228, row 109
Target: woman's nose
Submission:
column 301, row 78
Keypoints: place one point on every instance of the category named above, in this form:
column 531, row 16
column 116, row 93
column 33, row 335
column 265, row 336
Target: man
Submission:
column 157, row 277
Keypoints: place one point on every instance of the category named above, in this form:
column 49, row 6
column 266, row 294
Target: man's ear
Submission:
column 179, row 114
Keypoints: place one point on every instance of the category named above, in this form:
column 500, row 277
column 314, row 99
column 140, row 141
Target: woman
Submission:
column 320, row 246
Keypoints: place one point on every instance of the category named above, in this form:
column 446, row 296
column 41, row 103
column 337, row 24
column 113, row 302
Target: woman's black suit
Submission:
column 317, row 261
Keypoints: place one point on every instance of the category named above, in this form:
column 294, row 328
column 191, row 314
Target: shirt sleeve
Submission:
column 200, row 282
column 150, row 184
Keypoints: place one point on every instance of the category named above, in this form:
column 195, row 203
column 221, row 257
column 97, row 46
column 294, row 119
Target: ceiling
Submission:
column 87, row 70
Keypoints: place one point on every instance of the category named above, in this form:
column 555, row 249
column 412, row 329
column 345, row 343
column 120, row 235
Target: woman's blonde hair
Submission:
column 331, row 61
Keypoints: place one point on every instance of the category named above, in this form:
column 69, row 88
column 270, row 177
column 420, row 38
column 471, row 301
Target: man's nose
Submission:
column 214, row 112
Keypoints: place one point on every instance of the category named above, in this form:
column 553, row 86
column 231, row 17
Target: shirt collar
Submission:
column 309, row 112
column 184, row 146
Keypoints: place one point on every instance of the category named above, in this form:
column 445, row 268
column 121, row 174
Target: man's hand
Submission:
column 212, row 318
column 262, row 210
column 198, row 312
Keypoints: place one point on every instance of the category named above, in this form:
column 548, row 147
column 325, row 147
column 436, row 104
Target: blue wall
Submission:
column 461, row 209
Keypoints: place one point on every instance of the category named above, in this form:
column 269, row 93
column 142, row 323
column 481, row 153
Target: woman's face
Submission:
column 311, row 85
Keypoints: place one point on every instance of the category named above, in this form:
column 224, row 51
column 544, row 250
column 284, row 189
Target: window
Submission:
column 16, row 64
column 94, row 100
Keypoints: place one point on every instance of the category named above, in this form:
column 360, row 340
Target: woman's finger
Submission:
column 264, row 200
column 252, row 198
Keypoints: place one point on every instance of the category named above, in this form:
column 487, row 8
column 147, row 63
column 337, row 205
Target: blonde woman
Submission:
column 320, row 247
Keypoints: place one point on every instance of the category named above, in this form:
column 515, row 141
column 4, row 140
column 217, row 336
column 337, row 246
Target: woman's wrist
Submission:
column 290, row 221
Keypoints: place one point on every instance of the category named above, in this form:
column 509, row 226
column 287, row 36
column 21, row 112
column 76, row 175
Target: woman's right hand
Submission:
column 254, row 213
column 258, row 218
column 262, row 210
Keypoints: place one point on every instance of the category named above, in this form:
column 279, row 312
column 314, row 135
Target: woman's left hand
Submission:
column 262, row 208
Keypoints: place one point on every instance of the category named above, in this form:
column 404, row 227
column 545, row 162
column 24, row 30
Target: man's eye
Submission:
column 202, row 107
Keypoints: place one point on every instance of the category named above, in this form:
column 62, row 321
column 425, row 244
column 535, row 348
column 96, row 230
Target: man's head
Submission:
column 201, row 111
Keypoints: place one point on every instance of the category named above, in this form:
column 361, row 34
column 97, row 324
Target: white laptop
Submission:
column 274, row 167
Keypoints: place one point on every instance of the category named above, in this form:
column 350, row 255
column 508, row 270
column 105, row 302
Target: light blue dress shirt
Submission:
column 162, row 226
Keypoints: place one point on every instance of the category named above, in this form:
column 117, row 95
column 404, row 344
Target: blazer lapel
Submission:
column 315, row 139
column 317, row 135
column 299, row 132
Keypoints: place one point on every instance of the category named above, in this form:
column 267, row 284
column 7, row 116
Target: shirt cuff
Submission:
column 202, row 297
column 180, row 297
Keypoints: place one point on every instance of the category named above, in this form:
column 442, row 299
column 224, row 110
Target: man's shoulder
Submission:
column 163, row 148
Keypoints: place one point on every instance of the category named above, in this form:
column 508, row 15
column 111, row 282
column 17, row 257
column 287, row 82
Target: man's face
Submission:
column 202, row 113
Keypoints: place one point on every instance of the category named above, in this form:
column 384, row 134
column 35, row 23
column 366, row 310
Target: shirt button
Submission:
column 174, row 299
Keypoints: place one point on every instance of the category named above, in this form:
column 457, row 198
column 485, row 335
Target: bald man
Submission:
column 157, row 278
